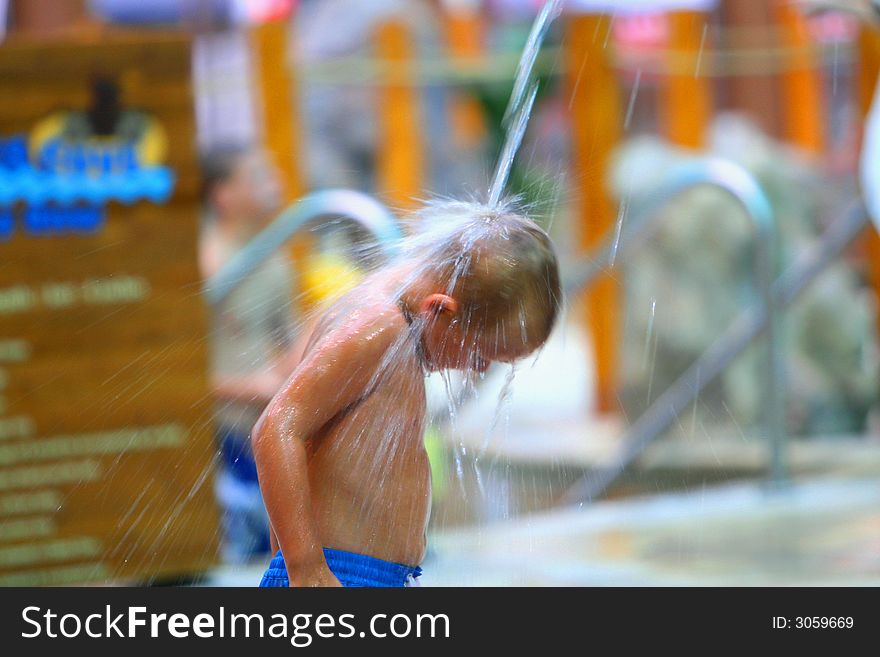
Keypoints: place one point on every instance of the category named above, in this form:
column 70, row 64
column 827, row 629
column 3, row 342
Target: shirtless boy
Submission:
column 339, row 451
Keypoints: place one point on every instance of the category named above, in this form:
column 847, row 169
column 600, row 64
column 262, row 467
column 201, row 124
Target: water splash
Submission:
column 649, row 332
column 621, row 215
column 651, row 340
column 459, row 451
column 632, row 99
column 699, row 64
column 522, row 98
column 512, row 141
column 502, row 409
column 549, row 12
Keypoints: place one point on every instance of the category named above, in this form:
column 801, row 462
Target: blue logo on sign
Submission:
column 71, row 165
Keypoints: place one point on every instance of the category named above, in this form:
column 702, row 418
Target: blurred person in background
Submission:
column 252, row 333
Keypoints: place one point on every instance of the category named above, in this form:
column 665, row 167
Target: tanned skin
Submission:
column 339, row 448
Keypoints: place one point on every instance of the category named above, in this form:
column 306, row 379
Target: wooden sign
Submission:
column 105, row 428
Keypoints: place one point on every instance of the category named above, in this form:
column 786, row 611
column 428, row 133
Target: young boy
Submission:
column 339, row 451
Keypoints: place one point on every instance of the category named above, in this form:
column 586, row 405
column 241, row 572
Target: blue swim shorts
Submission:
column 351, row 569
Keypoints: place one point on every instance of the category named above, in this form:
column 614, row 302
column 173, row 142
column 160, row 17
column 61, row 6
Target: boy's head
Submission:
column 488, row 285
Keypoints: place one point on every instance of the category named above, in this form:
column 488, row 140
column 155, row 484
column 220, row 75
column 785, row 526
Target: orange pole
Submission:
column 399, row 166
column 465, row 38
column 803, row 99
column 754, row 93
column 686, row 96
column 276, row 88
column 866, row 81
column 595, row 131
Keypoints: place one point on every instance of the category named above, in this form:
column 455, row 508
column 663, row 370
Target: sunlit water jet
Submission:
column 522, row 99
column 435, row 220
column 516, row 119
column 502, row 408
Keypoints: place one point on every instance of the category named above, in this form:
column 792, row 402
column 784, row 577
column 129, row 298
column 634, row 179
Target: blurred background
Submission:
column 705, row 414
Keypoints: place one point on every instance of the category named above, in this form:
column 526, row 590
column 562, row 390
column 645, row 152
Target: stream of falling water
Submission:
column 522, row 98
column 515, row 122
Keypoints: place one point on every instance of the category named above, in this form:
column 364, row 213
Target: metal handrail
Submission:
column 354, row 205
column 747, row 327
column 742, row 186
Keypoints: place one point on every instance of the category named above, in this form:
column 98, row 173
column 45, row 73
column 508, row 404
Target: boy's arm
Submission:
column 336, row 373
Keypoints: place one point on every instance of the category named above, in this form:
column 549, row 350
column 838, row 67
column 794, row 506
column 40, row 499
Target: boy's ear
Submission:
column 437, row 304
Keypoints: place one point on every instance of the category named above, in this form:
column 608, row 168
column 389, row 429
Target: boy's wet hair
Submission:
column 497, row 263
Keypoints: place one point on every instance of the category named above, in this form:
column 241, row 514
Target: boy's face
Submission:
column 449, row 343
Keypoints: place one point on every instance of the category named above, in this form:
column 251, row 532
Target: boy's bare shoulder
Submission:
column 368, row 327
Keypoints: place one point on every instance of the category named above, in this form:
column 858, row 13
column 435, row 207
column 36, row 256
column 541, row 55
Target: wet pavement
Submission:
column 824, row 531
column 821, row 532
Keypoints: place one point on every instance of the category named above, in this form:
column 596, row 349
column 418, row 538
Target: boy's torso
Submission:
column 368, row 470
